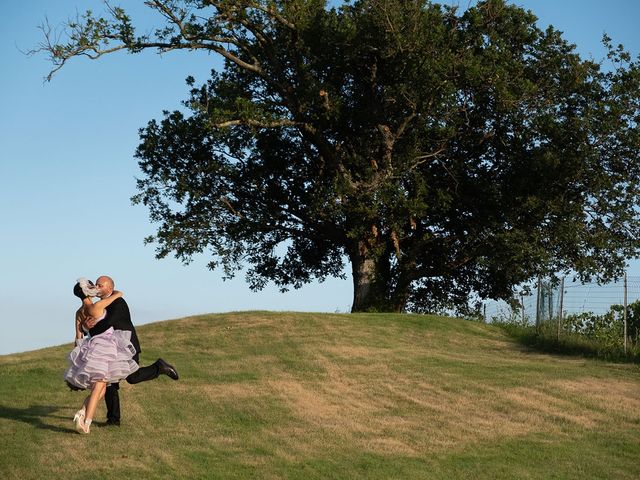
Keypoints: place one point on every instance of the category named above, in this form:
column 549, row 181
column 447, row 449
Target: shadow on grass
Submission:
column 569, row 345
column 34, row 415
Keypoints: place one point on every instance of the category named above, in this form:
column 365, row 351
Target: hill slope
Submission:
column 300, row 395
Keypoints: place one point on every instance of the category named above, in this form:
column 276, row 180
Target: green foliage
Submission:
column 443, row 154
column 605, row 328
column 608, row 328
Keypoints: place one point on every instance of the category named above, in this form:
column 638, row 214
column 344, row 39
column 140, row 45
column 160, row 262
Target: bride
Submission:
column 99, row 360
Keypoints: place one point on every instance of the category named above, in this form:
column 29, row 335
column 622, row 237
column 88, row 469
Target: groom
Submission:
column 119, row 318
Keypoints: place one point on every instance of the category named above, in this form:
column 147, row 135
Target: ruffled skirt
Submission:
column 107, row 357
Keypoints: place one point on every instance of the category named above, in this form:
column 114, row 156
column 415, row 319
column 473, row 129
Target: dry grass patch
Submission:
column 613, row 396
column 547, row 410
column 265, row 395
column 370, row 406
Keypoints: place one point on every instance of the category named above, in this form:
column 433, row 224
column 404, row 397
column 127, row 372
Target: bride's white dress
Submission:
column 106, row 357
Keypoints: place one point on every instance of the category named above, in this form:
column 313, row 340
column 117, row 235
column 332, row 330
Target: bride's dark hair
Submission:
column 85, row 288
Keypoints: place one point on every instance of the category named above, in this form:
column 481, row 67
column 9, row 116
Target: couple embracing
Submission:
column 107, row 350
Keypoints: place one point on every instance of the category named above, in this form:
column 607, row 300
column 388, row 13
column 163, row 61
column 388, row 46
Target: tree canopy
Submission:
column 442, row 154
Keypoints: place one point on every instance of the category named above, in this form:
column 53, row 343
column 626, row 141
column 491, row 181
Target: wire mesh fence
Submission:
column 557, row 299
column 563, row 299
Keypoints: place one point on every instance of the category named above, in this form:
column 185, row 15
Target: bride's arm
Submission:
column 97, row 309
column 79, row 319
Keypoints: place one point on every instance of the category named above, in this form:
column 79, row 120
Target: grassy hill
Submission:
column 321, row 396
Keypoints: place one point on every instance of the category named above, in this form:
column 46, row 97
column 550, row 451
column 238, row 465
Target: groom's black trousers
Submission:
column 111, row 397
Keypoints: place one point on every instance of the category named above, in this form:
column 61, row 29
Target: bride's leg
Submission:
column 97, row 393
column 83, row 410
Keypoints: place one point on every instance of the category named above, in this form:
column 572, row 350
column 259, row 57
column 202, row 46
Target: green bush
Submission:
column 607, row 329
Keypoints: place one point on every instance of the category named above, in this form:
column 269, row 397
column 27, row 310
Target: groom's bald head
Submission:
column 106, row 285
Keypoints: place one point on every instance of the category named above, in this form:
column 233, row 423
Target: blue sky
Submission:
column 67, row 173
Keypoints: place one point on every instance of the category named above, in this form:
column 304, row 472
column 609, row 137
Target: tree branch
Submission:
column 257, row 123
column 91, row 38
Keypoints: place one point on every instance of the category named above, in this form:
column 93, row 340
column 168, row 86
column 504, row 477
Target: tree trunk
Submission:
column 403, row 286
column 400, row 301
column 371, row 290
column 364, row 281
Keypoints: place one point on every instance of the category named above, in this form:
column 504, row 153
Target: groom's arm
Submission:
column 119, row 316
column 96, row 328
column 116, row 313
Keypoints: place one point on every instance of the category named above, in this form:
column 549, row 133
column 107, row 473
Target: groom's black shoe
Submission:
column 109, row 423
column 168, row 370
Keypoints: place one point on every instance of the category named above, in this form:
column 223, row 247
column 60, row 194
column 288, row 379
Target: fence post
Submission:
column 561, row 307
column 538, row 304
column 624, row 315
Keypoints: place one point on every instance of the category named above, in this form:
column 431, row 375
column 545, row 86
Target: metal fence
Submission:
column 554, row 300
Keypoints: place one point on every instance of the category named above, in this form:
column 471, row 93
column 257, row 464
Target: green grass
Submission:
column 321, row 396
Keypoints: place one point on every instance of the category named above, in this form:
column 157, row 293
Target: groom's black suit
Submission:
column 119, row 318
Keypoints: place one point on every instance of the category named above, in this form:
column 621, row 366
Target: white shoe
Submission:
column 81, row 427
column 79, row 414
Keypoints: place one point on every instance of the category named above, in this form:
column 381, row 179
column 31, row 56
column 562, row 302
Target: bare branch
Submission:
column 423, row 158
column 269, row 11
column 405, row 123
column 256, row 123
column 272, row 12
column 226, row 202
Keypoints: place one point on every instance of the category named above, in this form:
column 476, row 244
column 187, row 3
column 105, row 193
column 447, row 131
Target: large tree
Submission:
column 442, row 153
